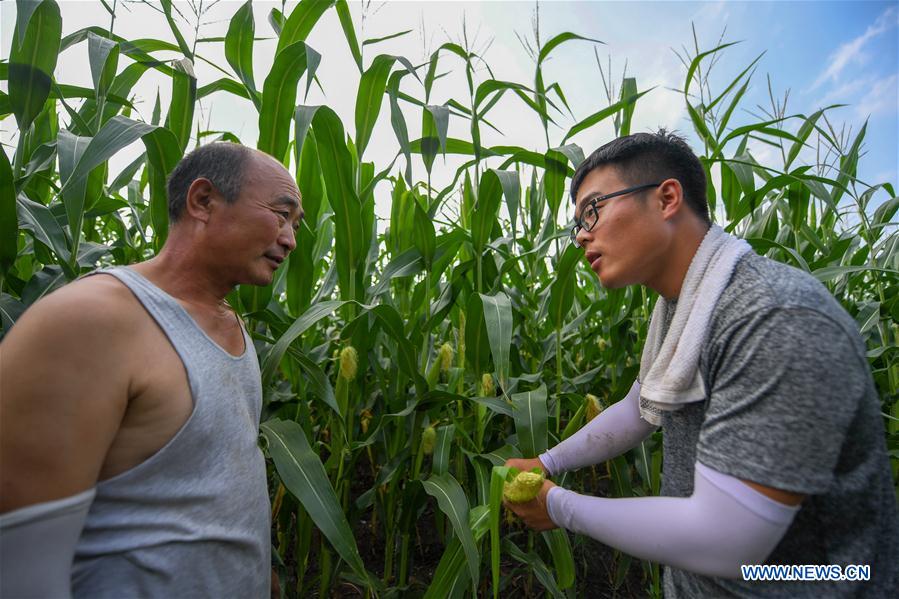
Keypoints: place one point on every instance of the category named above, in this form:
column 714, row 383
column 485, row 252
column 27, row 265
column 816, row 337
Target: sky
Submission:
column 817, row 53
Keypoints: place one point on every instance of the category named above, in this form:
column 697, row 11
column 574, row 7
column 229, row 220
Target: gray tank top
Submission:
column 193, row 520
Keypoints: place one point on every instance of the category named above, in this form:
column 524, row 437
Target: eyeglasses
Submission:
column 590, row 214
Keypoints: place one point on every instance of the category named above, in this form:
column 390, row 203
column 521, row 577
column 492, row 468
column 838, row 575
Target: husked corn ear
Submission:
column 445, row 357
column 428, row 440
column 523, row 486
column 592, row 406
column 488, row 388
column 349, row 362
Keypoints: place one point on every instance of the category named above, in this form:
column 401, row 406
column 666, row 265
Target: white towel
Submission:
column 669, row 366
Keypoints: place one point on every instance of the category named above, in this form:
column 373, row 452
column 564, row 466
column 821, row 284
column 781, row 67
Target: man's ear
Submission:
column 200, row 195
column 671, row 198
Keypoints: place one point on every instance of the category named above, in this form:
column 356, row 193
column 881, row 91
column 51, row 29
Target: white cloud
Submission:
column 853, row 52
column 881, row 97
column 869, row 95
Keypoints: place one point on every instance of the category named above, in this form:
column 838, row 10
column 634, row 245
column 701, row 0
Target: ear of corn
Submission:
column 592, row 407
column 521, row 487
column 428, row 440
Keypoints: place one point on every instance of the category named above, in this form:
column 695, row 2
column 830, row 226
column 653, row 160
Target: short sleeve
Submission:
column 784, row 386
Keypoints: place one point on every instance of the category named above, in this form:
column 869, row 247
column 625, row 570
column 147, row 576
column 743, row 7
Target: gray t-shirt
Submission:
column 790, row 404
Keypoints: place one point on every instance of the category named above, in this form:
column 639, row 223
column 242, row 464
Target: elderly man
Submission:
column 773, row 441
column 131, row 402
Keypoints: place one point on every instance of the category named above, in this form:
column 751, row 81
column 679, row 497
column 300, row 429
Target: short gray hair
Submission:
column 223, row 163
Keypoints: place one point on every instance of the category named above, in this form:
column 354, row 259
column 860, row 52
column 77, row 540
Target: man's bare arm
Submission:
column 63, row 390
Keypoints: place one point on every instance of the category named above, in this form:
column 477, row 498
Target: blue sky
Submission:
column 822, row 52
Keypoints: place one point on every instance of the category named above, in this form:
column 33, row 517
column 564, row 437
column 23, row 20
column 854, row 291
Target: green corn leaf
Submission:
column 300, row 22
column 451, row 576
column 423, row 235
column 849, row 164
column 337, row 171
column 239, row 48
column 407, row 264
column 805, row 130
column 182, row 44
column 493, row 86
column 369, row 98
column 694, row 64
column 318, row 381
column 628, row 90
column 452, row 502
column 392, row 324
column 486, row 212
column 477, row 343
column 349, row 32
column 531, row 420
column 163, row 153
column 24, row 10
column 302, row 119
column 378, row 40
column 70, row 149
column 304, row 475
column 497, row 479
column 512, row 192
column 561, row 296
column 118, row 133
column 498, row 317
column 10, row 310
column 537, row 566
column 442, row 448
column 38, row 219
column 439, row 125
column 32, row 61
column 828, row 273
column 398, row 121
column 184, row 95
column 276, row 20
column 560, row 39
column 223, row 85
column 8, row 219
column 554, row 179
column 279, row 96
column 563, row 560
column 315, row 313
column 104, row 59
column 603, row 114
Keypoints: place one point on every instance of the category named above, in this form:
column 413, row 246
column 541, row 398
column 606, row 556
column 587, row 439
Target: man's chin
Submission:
column 609, row 281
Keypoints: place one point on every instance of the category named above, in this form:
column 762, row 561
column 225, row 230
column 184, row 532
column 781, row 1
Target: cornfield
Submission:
column 403, row 359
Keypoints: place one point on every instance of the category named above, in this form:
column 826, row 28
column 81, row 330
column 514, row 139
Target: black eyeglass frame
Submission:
column 579, row 221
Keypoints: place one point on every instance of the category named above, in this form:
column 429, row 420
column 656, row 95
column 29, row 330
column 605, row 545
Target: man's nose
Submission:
column 583, row 237
column 288, row 238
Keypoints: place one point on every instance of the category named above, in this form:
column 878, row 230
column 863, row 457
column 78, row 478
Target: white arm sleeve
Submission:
column 610, row 434
column 37, row 546
column 724, row 524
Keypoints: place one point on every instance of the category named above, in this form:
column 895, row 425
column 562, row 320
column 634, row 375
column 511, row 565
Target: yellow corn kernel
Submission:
column 349, row 362
column 524, row 487
column 428, row 440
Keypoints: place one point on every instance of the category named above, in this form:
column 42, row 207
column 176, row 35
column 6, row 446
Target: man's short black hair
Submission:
column 649, row 158
column 223, row 163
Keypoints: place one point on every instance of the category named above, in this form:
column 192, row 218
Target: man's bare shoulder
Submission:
column 93, row 309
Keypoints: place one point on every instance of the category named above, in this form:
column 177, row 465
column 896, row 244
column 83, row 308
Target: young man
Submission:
column 774, row 446
column 131, row 401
